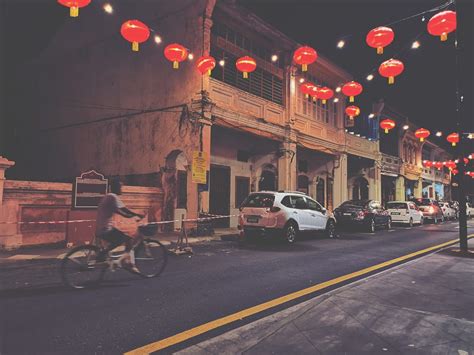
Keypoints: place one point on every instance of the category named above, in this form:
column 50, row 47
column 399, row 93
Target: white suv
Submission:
column 283, row 213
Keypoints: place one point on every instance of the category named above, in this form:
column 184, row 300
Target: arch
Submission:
column 321, row 191
column 268, row 178
column 303, row 183
column 360, row 189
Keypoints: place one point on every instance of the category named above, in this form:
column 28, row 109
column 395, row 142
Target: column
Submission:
column 287, row 167
column 340, row 180
column 4, row 165
column 419, row 188
column 400, row 189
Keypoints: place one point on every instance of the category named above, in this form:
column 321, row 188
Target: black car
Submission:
column 368, row 214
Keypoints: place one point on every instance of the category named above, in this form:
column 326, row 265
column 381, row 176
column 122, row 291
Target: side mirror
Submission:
column 323, row 210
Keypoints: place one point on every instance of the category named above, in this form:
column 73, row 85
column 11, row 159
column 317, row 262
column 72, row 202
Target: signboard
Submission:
column 199, row 167
column 89, row 189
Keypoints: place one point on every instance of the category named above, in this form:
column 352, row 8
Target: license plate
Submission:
column 395, row 213
column 252, row 219
column 347, row 214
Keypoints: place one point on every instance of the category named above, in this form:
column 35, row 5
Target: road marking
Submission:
column 23, row 257
column 206, row 327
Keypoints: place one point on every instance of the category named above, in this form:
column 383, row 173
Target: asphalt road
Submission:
column 38, row 315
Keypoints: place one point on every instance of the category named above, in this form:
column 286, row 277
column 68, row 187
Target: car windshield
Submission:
column 422, row 201
column 358, row 203
column 397, row 205
column 259, row 200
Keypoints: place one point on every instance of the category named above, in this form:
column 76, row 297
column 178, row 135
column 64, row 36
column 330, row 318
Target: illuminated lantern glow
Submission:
column 470, row 173
column 314, row 93
column 422, row 134
column 455, row 171
column 307, row 89
column 324, row 94
column 428, row 163
column 438, row 165
column 352, row 111
column 379, row 38
column 246, row 65
column 450, row 164
column 136, row 32
column 453, row 138
column 352, row 89
column 441, row 24
column 304, row 56
column 74, row 5
column 390, row 69
column 175, row 53
column 387, row 125
column 205, row 64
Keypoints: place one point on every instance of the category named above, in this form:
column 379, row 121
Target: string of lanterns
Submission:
column 441, row 24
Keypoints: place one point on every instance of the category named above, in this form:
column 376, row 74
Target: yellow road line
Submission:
column 203, row 328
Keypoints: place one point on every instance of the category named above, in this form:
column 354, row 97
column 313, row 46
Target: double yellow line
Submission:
column 204, row 328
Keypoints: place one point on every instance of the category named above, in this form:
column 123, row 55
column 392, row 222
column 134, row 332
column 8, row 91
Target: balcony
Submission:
column 390, row 165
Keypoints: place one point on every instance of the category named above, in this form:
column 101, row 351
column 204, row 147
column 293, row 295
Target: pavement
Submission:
column 425, row 306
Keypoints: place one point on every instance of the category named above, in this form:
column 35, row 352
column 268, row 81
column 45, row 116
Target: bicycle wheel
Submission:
column 150, row 258
column 80, row 269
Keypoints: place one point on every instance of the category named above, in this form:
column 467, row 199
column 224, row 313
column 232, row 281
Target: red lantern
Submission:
column 205, row 64
column 470, row 173
column 438, row 165
column 135, row 31
column 324, row 94
column 305, row 56
column 450, row 164
column 455, row 171
column 74, row 5
column 379, row 38
column 453, row 138
column 390, row 69
column 352, row 111
column 246, row 65
column 175, row 53
column 387, row 125
column 422, row 134
column 307, row 89
column 428, row 163
column 442, row 23
column 351, row 89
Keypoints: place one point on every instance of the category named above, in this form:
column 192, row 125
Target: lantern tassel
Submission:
column 351, row 117
column 209, row 72
column 391, row 80
column 453, row 144
column 175, row 65
column 135, row 46
column 386, row 130
column 444, row 36
column 422, row 139
column 351, row 98
column 245, row 75
column 74, row 11
column 379, row 50
column 304, row 67
column 324, row 102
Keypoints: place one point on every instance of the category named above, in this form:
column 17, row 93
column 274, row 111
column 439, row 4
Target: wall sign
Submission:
column 89, row 189
column 199, row 167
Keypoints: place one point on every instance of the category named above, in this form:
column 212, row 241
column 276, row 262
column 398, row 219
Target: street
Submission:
column 39, row 315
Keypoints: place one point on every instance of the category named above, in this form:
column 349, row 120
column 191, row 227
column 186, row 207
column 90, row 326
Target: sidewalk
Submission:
column 54, row 252
column 422, row 307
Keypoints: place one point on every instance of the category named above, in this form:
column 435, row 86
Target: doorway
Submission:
column 219, row 194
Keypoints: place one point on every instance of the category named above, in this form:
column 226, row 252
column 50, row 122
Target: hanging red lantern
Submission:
column 304, row 56
column 352, row 89
column 205, row 64
column 455, row 171
column 442, row 23
column 390, row 69
column 470, row 173
column 307, row 89
column 324, row 94
column 135, row 31
column 450, row 164
column 387, row 125
column 352, row 111
column 246, row 65
column 438, row 165
column 422, row 134
column 74, row 5
column 453, row 138
column 428, row 163
column 379, row 38
column 175, row 53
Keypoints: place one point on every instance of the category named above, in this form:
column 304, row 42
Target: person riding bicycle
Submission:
column 105, row 230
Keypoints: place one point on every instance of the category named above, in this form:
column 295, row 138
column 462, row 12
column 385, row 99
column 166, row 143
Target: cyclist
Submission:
column 105, row 230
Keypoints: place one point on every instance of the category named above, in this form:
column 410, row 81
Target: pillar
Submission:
column 419, row 188
column 400, row 189
column 340, row 180
column 287, row 167
column 4, row 165
column 375, row 182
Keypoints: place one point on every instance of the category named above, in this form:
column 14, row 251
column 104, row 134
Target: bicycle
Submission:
column 81, row 269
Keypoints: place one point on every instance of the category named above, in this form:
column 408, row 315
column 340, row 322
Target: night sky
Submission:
column 425, row 92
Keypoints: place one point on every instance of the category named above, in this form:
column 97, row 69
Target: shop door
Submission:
column 219, row 194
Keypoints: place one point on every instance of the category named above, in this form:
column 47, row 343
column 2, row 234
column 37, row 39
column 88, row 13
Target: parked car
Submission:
column 285, row 214
column 404, row 212
column 448, row 211
column 455, row 206
column 368, row 214
column 469, row 210
column 430, row 209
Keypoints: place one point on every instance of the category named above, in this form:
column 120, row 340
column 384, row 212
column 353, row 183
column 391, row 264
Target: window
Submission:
column 303, row 184
column 242, row 189
column 313, row 205
column 320, row 195
column 286, row 201
column 182, row 189
column 259, row 200
column 300, row 202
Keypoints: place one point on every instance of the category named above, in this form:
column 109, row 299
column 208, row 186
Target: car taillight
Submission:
column 275, row 209
column 361, row 214
column 431, row 209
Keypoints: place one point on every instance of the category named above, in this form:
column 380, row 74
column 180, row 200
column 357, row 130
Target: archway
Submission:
column 303, row 184
column 268, row 179
column 360, row 189
column 320, row 192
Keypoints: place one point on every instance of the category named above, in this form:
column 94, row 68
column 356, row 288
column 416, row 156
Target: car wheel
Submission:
column 389, row 223
column 371, row 226
column 331, row 229
column 290, row 233
column 411, row 222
